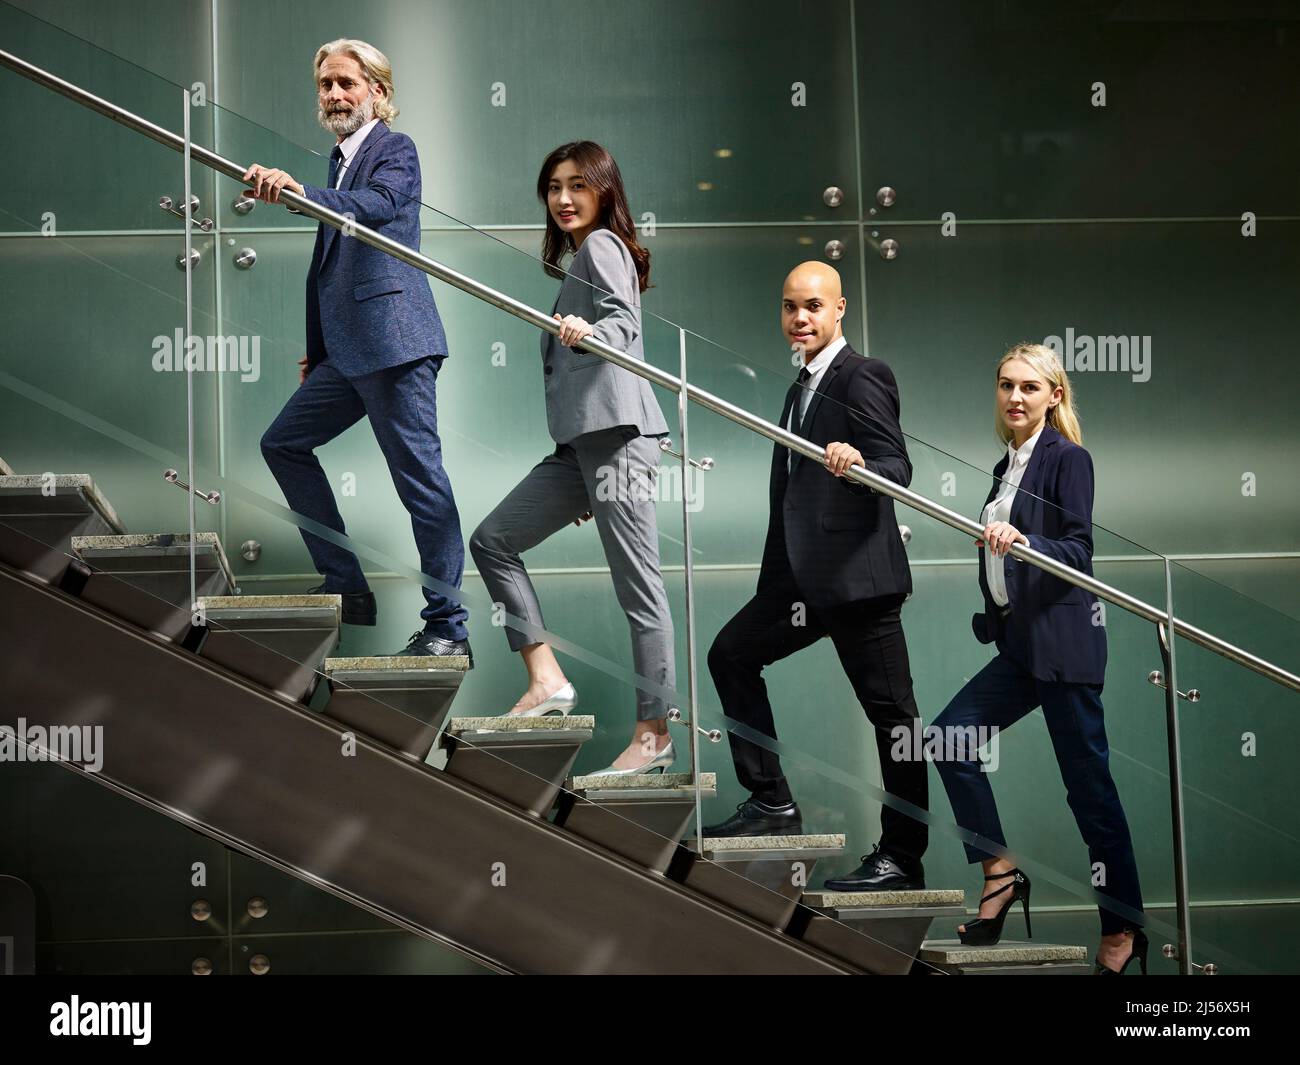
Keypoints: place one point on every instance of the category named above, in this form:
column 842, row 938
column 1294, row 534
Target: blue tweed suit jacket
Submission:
column 367, row 311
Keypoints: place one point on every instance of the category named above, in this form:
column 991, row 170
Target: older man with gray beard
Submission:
column 375, row 344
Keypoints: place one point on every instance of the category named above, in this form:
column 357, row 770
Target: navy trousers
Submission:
column 401, row 405
column 1001, row 694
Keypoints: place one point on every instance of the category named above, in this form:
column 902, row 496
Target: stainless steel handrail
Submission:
column 656, row 376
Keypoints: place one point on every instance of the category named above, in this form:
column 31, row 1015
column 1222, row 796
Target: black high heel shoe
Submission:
column 1139, row 951
column 985, row 931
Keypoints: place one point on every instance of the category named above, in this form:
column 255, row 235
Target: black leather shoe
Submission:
column 358, row 607
column 426, row 644
column 880, row 872
column 752, row 818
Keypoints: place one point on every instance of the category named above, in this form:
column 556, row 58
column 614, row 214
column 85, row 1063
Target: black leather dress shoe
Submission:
column 426, row 644
column 880, row 872
column 752, row 818
column 358, row 607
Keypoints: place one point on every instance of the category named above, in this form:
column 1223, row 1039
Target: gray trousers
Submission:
column 612, row 474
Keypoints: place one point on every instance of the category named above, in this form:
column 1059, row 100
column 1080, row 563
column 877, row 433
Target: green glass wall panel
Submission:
column 1271, row 582
column 987, row 110
column 1238, row 741
column 1211, row 310
column 171, row 40
column 664, row 87
column 87, row 318
column 80, row 171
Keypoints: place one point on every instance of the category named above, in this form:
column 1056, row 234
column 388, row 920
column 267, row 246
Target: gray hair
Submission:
column 373, row 62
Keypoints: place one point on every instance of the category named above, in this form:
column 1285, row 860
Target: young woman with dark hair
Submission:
column 605, row 422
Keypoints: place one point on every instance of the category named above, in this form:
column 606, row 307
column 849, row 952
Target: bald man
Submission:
column 833, row 565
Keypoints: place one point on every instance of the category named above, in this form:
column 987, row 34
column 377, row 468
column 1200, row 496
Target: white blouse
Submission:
column 1000, row 510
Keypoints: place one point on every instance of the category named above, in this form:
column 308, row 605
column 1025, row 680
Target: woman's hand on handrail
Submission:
column 999, row 536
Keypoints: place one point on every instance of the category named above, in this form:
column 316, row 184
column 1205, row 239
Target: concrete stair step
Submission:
column 1007, row 958
column 159, row 563
column 280, row 641
column 853, row 905
column 641, row 816
column 675, row 786
column 521, row 760
column 272, row 612
column 770, row 848
column 502, row 728
column 400, row 700
column 763, row 876
column 145, row 579
column 878, row 931
column 54, row 509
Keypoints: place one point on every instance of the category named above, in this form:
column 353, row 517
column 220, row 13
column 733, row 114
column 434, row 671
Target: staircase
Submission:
column 470, row 831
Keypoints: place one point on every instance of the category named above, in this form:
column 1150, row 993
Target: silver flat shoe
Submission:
column 558, row 702
column 660, row 762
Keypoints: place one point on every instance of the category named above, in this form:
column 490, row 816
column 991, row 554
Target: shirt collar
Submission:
column 1020, row 456
column 823, row 358
column 349, row 145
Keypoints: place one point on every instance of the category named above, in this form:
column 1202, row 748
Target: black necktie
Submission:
column 794, row 403
column 336, row 157
column 798, row 389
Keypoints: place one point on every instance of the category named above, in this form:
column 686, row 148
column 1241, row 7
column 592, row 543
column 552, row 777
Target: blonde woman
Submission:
column 1051, row 653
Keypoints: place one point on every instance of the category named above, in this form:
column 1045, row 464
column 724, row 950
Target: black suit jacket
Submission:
column 1053, row 619
column 841, row 539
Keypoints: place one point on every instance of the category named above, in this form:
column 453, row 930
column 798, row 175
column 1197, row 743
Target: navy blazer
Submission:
column 367, row 311
column 840, row 539
column 1051, row 624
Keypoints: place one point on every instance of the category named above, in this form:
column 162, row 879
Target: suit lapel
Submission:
column 1030, row 483
column 999, row 471
column 791, row 394
column 779, row 451
column 816, row 400
column 548, row 337
column 377, row 133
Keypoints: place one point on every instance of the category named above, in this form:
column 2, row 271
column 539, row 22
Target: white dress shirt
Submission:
column 1000, row 510
column 349, row 147
column 816, row 370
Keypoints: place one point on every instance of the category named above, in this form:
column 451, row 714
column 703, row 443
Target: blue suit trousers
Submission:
column 400, row 402
column 1001, row 694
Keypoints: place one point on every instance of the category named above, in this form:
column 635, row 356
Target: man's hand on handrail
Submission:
column 267, row 183
column 839, row 457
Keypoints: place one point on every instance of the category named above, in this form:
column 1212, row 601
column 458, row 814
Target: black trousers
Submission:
column 868, row 637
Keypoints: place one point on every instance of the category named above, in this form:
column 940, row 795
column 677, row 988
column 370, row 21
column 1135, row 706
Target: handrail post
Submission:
column 692, row 687
column 1181, row 901
column 185, row 351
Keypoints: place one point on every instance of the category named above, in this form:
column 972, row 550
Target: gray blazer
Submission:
column 584, row 393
